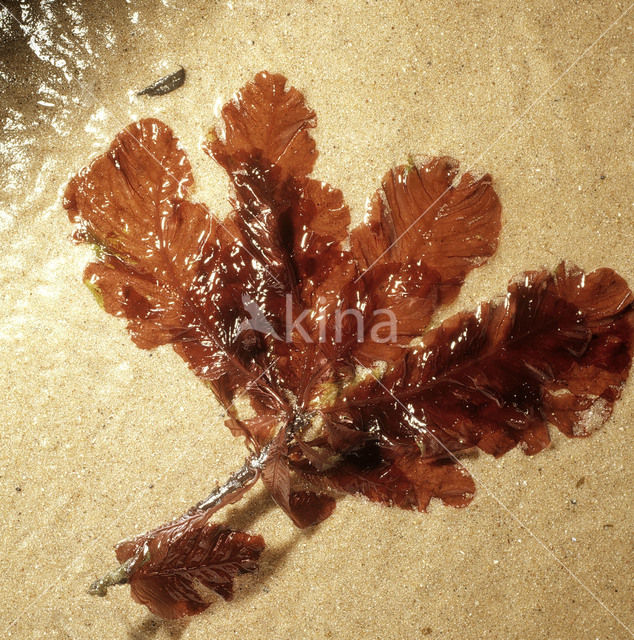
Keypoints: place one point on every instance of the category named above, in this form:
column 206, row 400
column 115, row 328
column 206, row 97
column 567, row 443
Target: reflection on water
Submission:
column 56, row 60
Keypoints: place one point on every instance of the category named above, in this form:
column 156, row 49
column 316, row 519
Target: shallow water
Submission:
column 85, row 461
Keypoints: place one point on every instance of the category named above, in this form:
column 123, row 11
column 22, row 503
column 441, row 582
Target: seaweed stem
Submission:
column 231, row 491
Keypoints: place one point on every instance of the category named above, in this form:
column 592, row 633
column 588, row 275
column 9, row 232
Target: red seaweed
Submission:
column 327, row 340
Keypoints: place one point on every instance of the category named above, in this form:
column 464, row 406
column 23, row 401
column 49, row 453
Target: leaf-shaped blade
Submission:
column 266, row 121
column 397, row 476
column 184, row 562
column 305, row 508
column 131, row 203
column 120, row 200
column 558, row 349
column 293, row 226
column 421, row 214
column 166, row 265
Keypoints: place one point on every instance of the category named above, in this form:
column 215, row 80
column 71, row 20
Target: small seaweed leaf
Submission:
column 428, row 230
column 266, row 122
column 305, row 508
column 397, row 476
column 293, row 227
column 421, row 213
column 185, row 562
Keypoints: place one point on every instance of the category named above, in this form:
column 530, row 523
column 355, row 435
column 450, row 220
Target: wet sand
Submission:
column 102, row 440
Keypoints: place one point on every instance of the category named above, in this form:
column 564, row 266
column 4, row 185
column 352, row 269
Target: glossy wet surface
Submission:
column 92, row 422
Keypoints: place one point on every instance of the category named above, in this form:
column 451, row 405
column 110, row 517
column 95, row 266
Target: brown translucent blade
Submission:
column 397, row 301
column 305, row 508
column 397, row 476
column 130, row 202
column 557, row 349
column 309, row 509
column 491, row 377
column 420, row 213
column 124, row 197
column 266, row 121
column 177, row 560
column 292, row 227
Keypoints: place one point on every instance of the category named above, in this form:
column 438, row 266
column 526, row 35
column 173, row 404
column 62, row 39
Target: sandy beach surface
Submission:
column 101, row 440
